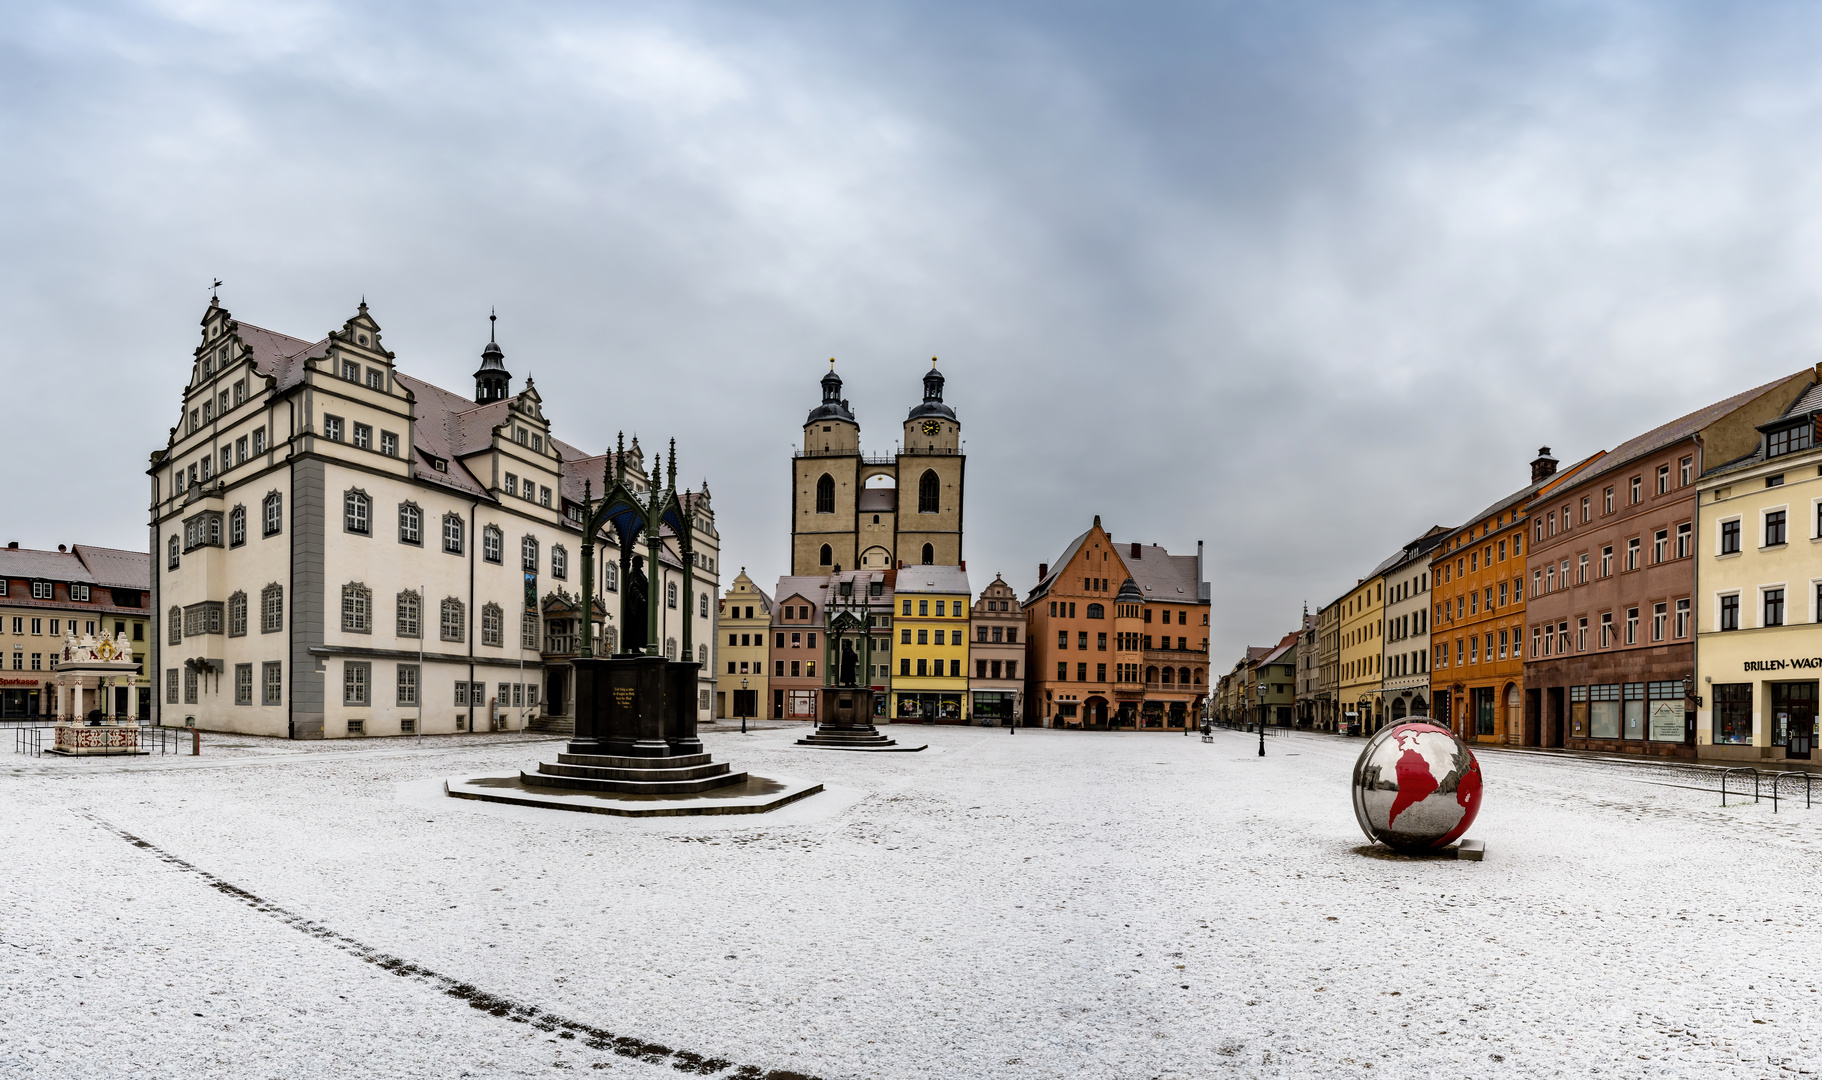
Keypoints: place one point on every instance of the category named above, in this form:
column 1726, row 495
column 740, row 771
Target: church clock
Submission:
column 931, row 427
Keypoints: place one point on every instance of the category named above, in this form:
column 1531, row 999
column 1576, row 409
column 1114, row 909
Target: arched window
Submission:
column 827, row 558
column 357, row 513
column 1166, row 673
column 702, row 655
column 274, row 513
column 670, row 648
column 610, row 576
column 237, row 615
column 492, row 540
column 237, row 526
column 528, row 554
column 176, row 559
column 455, row 620
column 702, row 605
column 928, row 489
column 825, row 494
column 559, row 561
column 1096, row 611
column 452, row 533
column 1183, row 676
column 411, row 524
column 175, row 637
column 491, row 618
column 670, row 597
column 357, row 608
column 272, row 609
column 1151, row 675
column 1198, row 676
column 929, row 554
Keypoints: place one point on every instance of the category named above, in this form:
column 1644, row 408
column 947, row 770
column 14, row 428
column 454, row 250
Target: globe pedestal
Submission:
column 1416, row 787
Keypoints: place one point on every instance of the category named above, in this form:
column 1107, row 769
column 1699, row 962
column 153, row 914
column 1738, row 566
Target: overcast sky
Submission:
column 1299, row 280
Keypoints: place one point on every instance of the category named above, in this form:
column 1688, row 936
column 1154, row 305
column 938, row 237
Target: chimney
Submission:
column 13, row 544
column 1135, row 550
column 1543, row 466
column 1043, row 569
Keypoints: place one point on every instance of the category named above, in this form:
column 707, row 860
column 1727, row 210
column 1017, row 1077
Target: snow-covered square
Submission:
column 1045, row 904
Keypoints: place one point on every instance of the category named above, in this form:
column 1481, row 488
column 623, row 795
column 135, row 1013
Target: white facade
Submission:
column 321, row 519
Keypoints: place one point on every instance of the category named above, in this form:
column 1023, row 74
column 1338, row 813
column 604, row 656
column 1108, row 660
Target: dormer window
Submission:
column 439, row 465
column 537, row 442
column 375, row 379
column 1789, row 440
column 351, row 371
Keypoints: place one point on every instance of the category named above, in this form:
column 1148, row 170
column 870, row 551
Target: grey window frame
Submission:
column 272, row 682
column 357, row 682
column 243, row 684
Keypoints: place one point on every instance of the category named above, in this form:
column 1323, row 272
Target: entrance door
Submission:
column 1793, row 707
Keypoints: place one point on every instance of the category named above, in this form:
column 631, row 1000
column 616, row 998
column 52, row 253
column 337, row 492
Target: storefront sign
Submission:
column 1784, row 665
column 18, row 682
column 1666, row 721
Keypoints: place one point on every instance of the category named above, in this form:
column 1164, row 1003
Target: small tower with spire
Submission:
column 492, row 382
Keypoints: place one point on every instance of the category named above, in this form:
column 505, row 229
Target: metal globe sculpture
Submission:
column 1416, row 787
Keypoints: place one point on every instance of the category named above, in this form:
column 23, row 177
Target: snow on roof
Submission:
column 933, row 579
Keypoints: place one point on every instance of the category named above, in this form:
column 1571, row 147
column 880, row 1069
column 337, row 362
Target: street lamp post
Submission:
column 1261, row 719
column 743, row 706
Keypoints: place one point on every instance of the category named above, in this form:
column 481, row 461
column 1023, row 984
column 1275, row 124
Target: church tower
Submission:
column 930, row 473
column 825, row 485
column 860, row 513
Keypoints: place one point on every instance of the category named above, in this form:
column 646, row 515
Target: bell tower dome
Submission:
column 492, row 382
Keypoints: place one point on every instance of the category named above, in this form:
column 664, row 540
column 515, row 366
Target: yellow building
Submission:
column 746, row 619
column 1362, row 645
column 931, row 682
column 46, row 596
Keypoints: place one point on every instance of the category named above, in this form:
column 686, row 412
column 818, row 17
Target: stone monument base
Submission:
column 847, row 723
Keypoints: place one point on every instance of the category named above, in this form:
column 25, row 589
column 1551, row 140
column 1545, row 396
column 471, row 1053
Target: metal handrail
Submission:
column 1778, row 777
column 1725, row 773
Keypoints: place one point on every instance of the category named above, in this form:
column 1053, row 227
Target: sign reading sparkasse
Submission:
column 1783, row 665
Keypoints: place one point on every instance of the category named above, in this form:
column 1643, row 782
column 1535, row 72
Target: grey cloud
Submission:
column 1299, row 280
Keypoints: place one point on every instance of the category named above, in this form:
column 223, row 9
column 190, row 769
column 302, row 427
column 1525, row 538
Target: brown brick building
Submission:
column 1100, row 655
column 1612, row 579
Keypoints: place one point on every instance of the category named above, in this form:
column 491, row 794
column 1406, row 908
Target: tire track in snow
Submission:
column 493, row 1004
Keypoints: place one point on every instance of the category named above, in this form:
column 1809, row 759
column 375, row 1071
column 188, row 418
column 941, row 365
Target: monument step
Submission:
column 692, row 772
column 604, row 761
column 633, row 787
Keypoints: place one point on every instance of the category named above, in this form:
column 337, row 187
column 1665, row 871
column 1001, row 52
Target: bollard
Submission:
column 195, row 742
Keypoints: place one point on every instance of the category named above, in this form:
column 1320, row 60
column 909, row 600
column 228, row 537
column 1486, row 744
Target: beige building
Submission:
column 997, row 689
column 746, row 623
column 342, row 549
column 1758, row 605
column 860, row 512
column 1406, row 685
column 81, row 592
column 1361, row 664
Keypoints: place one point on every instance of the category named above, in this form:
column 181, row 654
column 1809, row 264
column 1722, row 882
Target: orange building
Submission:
column 1477, row 627
column 1117, row 637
